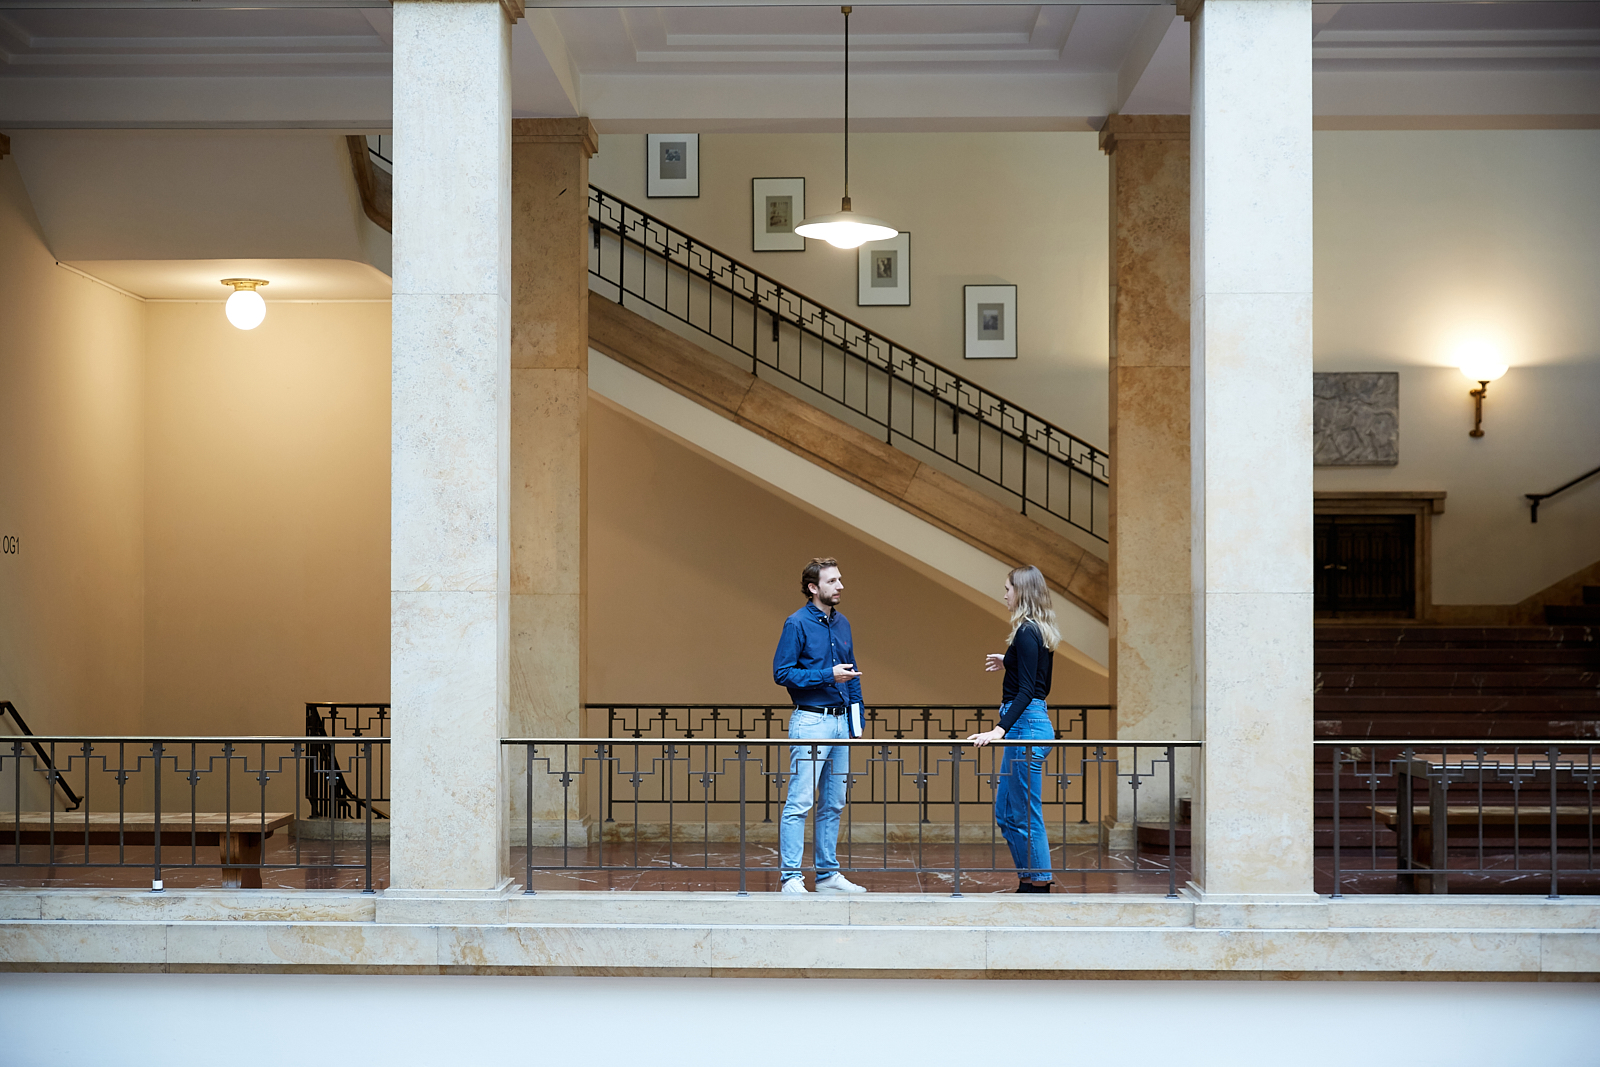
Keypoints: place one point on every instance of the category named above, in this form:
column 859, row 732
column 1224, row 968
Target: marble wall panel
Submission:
column 451, row 462
column 449, row 713
column 452, row 109
column 450, row 435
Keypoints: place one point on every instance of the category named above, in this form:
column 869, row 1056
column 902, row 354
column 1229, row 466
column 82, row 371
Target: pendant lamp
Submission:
column 845, row 228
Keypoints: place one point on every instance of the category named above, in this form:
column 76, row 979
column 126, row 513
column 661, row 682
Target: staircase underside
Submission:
column 875, row 466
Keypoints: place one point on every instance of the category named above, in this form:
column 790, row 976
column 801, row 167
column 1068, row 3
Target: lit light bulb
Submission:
column 245, row 308
column 846, row 229
column 1480, row 361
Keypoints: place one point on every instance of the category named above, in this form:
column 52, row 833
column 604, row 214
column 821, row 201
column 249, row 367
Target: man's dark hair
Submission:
column 812, row 575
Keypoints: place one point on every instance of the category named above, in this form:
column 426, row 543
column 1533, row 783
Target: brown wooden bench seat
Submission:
column 237, row 835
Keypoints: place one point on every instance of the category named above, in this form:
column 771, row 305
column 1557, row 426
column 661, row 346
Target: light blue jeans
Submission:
column 1018, row 804
column 814, row 769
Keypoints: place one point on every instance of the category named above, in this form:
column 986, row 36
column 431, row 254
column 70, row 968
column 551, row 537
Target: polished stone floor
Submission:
column 896, row 868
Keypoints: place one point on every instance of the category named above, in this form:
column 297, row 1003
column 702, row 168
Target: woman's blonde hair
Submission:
column 1033, row 602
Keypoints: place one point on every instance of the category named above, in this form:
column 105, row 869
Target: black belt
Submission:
column 831, row 709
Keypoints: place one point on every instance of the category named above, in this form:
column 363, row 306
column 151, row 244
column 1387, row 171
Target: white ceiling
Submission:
column 914, row 66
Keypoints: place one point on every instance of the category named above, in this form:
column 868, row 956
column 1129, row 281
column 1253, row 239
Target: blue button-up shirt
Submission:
column 811, row 644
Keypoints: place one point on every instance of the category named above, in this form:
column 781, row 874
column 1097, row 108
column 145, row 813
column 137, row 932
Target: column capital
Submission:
column 1119, row 128
column 578, row 131
column 512, row 8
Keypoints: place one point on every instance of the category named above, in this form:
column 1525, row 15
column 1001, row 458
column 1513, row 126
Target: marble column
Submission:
column 450, row 465
column 1250, row 446
column 1150, row 603
column 549, row 439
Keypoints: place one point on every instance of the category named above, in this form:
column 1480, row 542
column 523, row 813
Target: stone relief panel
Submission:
column 1355, row 419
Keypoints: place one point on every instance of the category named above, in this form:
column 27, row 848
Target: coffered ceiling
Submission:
column 326, row 63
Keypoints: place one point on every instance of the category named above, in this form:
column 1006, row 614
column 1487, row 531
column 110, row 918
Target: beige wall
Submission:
column 71, row 486
column 982, row 208
column 267, row 515
column 1424, row 238
column 692, row 570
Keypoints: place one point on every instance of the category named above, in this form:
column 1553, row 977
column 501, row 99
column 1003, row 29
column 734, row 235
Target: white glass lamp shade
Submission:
column 1482, row 370
column 846, row 229
column 1480, row 361
column 246, row 309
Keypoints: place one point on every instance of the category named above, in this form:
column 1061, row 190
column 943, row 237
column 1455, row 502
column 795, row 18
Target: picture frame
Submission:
column 671, row 165
column 991, row 321
column 883, row 272
column 776, row 207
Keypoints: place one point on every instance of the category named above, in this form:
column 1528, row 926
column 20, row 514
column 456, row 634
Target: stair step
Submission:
column 1451, row 636
column 1332, row 703
column 1479, row 682
column 1572, row 614
column 1500, row 659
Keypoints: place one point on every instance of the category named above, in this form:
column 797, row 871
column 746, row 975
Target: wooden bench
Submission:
column 1426, row 840
column 237, row 835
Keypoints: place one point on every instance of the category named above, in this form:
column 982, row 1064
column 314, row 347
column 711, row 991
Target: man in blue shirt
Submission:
column 816, row 662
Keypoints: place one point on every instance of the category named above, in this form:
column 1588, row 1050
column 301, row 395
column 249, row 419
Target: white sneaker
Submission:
column 837, row 883
column 794, row 885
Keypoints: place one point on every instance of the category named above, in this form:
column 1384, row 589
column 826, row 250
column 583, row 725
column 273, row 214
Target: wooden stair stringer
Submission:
column 861, row 459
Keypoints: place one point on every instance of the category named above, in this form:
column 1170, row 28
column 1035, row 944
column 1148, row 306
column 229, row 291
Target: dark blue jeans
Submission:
column 1018, row 806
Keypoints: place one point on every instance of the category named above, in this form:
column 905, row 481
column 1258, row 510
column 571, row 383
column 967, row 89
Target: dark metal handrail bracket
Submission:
column 1535, row 499
column 911, row 401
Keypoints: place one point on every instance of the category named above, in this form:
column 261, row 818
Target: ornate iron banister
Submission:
column 916, row 404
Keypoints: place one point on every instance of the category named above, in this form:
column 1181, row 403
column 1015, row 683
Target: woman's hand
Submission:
column 982, row 739
column 994, row 661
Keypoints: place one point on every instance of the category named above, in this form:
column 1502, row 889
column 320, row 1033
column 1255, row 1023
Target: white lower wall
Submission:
column 134, row 1020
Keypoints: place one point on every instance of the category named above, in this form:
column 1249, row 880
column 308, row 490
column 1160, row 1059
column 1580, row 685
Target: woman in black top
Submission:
column 1024, row 716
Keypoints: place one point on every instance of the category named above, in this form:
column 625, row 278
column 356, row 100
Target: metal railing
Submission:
column 1535, row 499
column 914, row 807
column 1506, row 815
column 330, row 794
column 164, row 803
column 770, row 722
column 911, row 401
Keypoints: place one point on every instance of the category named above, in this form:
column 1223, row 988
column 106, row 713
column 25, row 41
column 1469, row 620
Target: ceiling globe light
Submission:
column 245, row 308
column 844, row 228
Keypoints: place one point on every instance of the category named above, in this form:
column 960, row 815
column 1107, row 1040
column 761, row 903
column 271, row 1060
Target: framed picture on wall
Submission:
column 776, row 206
column 671, row 164
column 883, row 272
column 991, row 321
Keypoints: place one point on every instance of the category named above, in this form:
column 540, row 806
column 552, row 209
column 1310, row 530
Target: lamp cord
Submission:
column 846, row 11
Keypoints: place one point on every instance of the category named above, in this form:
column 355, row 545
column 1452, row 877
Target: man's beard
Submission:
column 831, row 601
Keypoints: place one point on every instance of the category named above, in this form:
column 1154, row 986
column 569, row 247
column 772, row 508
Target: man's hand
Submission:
column 982, row 739
column 843, row 672
column 994, row 661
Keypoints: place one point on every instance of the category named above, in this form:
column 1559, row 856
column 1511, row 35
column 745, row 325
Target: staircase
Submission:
column 1405, row 682
column 1584, row 614
column 822, row 386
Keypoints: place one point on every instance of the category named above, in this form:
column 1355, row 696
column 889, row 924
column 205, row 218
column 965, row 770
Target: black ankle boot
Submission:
column 1029, row 887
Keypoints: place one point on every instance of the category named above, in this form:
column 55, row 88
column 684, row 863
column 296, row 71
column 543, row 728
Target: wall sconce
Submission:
column 245, row 308
column 1480, row 368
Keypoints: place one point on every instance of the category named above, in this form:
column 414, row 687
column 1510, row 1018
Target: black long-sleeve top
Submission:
column 1028, row 665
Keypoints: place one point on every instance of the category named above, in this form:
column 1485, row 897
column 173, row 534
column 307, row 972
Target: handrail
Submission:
column 6, row 707
column 1536, row 498
column 908, row 398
